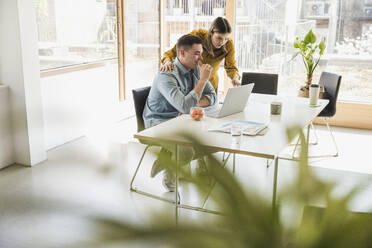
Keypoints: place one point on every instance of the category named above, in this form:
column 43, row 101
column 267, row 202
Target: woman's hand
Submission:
column 235, row 82
column 168, row 66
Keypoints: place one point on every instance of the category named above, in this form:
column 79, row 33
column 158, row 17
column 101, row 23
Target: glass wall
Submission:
column 73, row 32
column 183, row 16
column 265, row 31
column 142, row 42
column 346, row 26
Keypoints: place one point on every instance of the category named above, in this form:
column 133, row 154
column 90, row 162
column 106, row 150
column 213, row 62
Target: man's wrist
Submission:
column 203, row 81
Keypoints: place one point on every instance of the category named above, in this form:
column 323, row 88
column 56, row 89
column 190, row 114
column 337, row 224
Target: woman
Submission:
column 216, row 46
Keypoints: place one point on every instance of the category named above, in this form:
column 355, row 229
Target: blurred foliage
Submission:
column 248, row 219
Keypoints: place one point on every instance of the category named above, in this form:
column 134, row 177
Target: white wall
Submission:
column 19, row 69
column 6, row 139
column 75, row 103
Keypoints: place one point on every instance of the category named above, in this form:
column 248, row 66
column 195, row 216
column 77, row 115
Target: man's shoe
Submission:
column 201, row 167
column 158, row 165
column 169, row 181
column 156, row 168
column 202, row 170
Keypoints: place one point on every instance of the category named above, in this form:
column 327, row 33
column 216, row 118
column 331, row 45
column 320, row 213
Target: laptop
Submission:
column 234, row 102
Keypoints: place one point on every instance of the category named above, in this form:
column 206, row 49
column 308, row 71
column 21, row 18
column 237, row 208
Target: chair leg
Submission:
column 214, row 182
column 139, row 164
column 325, row 119
column 269, row 162
column 298, row 139
column 143, row 192
column 310, row 143
column 294, row 150
column 332, row 136
column 316, row 136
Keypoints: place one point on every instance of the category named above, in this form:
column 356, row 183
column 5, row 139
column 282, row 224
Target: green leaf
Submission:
column 322, row 47
column 312, row 37
column 309, row 37
column 294, row 55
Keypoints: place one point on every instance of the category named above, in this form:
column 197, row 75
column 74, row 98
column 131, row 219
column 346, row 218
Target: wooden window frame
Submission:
column 78, row 67
column 120, row 11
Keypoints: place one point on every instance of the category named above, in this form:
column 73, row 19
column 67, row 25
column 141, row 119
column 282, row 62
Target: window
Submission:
column 142, row 39
column 75, row 32
column 265, row 31
column 183, row 16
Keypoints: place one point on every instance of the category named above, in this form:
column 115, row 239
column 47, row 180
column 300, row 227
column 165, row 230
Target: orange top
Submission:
column 213, row 60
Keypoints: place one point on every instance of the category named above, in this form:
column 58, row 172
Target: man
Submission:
column 175, row 92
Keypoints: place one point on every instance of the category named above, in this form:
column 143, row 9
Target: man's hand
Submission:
column 205, row 72
column 168, row 66
column 235, row 82
column 204, row 102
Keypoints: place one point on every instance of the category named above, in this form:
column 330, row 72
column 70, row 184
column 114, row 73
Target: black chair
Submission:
column 264, row 83
column 331, row 83
column 140, row 96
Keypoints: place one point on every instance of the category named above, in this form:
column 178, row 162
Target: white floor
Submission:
column 51, row 203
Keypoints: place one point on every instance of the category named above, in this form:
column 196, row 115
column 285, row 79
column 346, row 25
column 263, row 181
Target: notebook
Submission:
column 247, row 127
column 234, row 102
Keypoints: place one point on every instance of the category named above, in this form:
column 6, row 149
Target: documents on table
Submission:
column 247, row 127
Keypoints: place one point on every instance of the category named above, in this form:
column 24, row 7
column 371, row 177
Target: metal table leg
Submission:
column 276, row 159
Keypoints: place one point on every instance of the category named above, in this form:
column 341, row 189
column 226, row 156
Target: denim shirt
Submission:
column 172, row 93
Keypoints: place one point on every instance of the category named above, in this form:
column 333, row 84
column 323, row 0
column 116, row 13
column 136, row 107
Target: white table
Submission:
column 295, row 112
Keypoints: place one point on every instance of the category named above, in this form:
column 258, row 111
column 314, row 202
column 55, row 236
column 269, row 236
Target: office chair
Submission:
column 331, row 83
column 264, row 83
column 140, row 97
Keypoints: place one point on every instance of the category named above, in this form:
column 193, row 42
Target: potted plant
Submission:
column 308, row 48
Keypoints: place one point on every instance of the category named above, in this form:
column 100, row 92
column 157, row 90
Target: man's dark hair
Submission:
column 186, row 41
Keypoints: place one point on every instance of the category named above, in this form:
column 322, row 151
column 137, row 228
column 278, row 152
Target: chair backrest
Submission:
column 264, row 83
column 331, row 83
column 140, row 96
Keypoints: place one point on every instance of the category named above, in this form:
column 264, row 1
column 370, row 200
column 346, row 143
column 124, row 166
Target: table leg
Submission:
column 275, row 181
column 307, row 139
column 176, row 195
column 233, row 164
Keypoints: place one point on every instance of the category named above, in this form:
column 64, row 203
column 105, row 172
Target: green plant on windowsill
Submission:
column 311, row 52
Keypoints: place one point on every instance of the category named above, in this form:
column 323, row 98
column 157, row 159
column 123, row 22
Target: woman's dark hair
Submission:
column 186, row 41
column 219, row 25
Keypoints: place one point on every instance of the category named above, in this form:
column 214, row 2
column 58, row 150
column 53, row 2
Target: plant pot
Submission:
column 304, row 92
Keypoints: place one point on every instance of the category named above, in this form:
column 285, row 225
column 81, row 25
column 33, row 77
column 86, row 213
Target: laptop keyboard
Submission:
column 213, row 111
